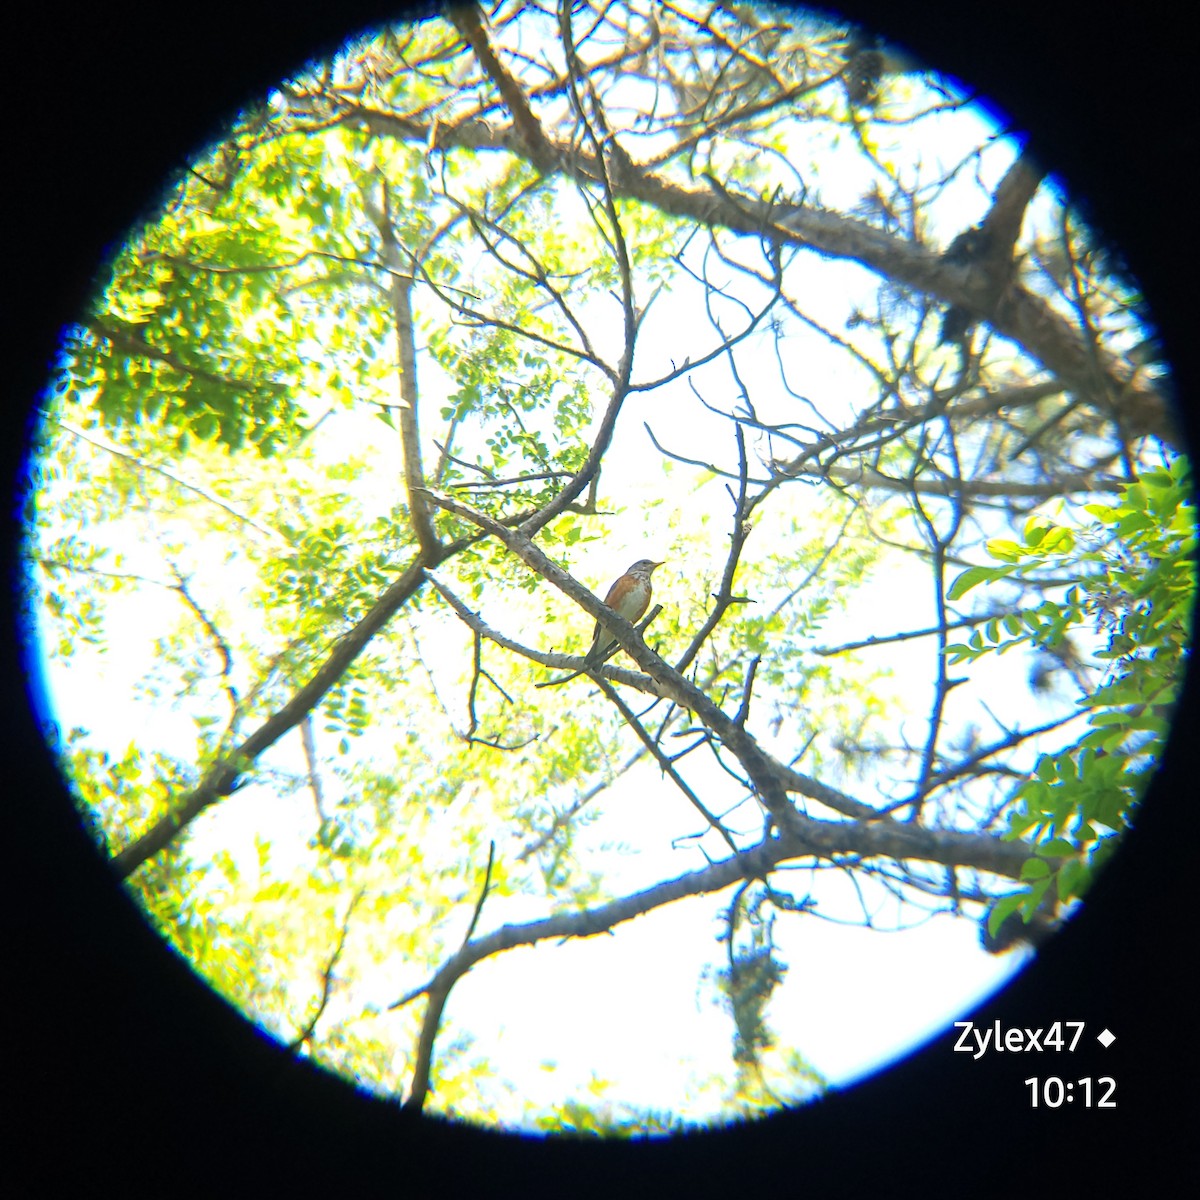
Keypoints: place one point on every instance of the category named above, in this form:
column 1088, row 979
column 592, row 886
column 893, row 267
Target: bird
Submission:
column 629, row 597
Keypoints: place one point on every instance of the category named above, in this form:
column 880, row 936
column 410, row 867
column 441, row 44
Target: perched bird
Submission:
column 629, row 597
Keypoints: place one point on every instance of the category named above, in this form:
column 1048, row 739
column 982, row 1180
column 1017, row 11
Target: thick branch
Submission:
column 438, row 995
column 1002, row 225
column 406, row 363
column 1017, row 313
column 222, row 777
column 536, row 145
column 820, row 838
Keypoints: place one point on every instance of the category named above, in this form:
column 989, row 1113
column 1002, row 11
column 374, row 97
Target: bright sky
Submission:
column 630, row 1007
column 627, row 1007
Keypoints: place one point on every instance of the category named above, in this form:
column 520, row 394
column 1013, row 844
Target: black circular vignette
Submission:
column 122, row 1067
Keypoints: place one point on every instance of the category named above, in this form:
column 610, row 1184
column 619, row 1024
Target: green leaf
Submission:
column 1058, row 541
column 1036, row 528
column 970, row 578
column 1071, row 875
column 1034, row 868
column 1056, row 848
column 1002, row 910
column 1003, row 549
column 1034, row 896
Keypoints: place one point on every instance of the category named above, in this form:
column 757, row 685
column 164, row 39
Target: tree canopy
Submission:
column 462, row 320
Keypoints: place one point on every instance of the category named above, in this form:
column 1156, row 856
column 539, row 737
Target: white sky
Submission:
column 629, row 1007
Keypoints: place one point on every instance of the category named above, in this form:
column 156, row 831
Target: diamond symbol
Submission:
column 1105, row 1038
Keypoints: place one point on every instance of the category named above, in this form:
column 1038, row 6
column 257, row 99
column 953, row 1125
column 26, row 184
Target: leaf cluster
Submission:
column 1137, row 587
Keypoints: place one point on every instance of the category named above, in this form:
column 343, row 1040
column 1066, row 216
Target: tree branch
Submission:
column 222, row 777
column 1017, row 314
